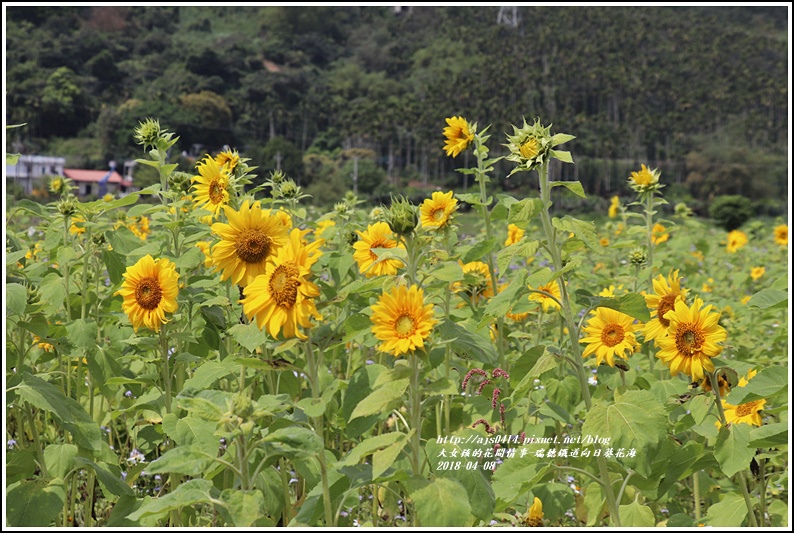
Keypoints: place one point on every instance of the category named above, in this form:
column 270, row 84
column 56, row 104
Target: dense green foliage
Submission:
column 699, row 92
column 730, row 211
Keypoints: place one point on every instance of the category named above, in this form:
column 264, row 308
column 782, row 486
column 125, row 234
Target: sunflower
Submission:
column 613, row 206
column 149, row 290
column 609, row 333
column 204, row 246
column 139, row 226
column 757, row 272
column 459, row 134
column 77, row 227
column 609, row 292
column 435, row 212
column 746, row 413
column 479, row 284
column 514, row 234
column 667, row 291
column 781, row 235
column 247, row 241
column 644, row 180
column 228, row 158
column 211, row 185
column 378, row 235
column 692, row 339
column 323, row 225
column 603, row 241
column 736, row 239
column 402, row 320
column 534, row 515
column 281, row 299
column 548, row 303
column 659, row 234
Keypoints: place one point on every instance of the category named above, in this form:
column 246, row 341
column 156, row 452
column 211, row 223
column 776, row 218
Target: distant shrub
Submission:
column 731, row 211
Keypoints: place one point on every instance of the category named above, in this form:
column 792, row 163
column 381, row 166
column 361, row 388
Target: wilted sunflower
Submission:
column 514, row 234
column 745, row 413
column 402, row 320
column 534, row 515
column 211, row 185
column 149, row 290
column 692, row 339
column 228, row 158
column 459, row 134
column 546, row 302
column 247, row 241
column 378, row 235
column 435, row 212
column 609, row 333
column 281, row 299
column 781, row 235
column 666, row 292
column 736, row 239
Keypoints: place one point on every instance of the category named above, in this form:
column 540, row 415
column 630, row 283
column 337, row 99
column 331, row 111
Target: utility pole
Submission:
column 508, row 15
column 355, row 175
column 278, row 160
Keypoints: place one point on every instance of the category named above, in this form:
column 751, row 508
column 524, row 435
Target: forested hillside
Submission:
column 699, row 92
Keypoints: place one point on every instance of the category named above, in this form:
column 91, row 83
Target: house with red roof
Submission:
column 90, row 182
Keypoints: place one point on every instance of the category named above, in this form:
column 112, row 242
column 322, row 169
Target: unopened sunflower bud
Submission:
column 180, row 181
column 59, row 185
column 32, row 294
column 638, row 257
column 377, row 215
column 402, row 217
column 147, row 133
column 682, row 210
column 277, row 176
column 67, row 207
column 289, row 189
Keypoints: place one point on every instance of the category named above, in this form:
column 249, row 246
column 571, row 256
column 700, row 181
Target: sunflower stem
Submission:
column 481, row 151
column 416, row 415
column 312, row 372
column 573, row 332
column 649, row 222
column 696, row 494
column 166, row 370
column 742, row 478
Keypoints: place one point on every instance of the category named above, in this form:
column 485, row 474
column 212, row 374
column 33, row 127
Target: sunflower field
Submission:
column 204, row 352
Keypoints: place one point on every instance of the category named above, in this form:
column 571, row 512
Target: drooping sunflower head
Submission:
column 149, row 290
column 736, row 239
column 436, row 211
column 613, row 206
column 666, row 292
column 78, row 225
column 610, row 333
column 781, row 235
column 693, row 338
column 249, row 239
column 546, row 302
column 282, row 298
column 402, row 320
column 645, row 179
column 228, row 158
column 459, row 134
column 211, row 186
column 514, row 234
column 534, row 515
column 378, row 235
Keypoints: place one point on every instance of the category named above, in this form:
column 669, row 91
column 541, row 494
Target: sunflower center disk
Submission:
column 688, row 340
column 148, row 293
column 404, row 326
column 438, row 215
column 746, row 409
column 216, row 192
column 667, row 303
column 284, row 284
column 612, row 335
column 252, row 246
